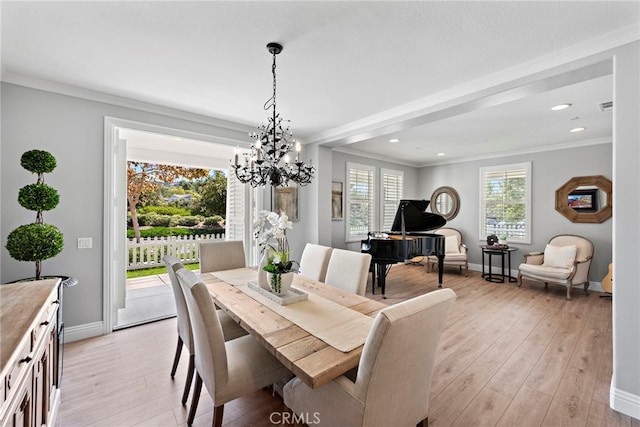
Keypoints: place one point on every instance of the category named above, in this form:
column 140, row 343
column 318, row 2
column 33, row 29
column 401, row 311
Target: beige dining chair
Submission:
column 228, row 369
column 348, row 270
column 314, row 261
column 219, row 255
column 231, row 329
column 393, row 379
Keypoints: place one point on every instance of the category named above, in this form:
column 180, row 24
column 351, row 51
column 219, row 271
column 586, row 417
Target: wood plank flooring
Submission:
column 508, row 356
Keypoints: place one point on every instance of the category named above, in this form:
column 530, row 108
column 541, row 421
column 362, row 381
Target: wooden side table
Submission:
column 501, row 252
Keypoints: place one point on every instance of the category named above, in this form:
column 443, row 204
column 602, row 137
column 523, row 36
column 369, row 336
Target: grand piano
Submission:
column 406, row 239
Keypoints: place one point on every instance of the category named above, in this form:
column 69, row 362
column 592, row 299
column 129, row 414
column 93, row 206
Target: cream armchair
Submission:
column 455, row 251
column 566, row 261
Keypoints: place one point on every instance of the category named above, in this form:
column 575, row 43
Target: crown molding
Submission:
column 91, row 95
column 541, row 149
column 391, row 120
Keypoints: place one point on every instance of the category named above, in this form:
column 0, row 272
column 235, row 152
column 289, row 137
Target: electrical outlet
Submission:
column 85, row 242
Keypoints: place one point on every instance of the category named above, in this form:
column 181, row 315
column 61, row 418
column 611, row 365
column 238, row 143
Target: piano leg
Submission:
column 440, row 269
column 381, row 271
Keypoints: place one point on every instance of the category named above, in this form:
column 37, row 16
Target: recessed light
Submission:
column 441, row 154
column 177, row 138
column 561, row 107
column 580, row 129
column 394, row 140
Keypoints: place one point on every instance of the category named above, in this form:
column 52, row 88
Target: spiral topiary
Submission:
column 37, row 241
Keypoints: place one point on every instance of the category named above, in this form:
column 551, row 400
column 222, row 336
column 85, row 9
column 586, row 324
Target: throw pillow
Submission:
column 451, row 245
column 559, row 256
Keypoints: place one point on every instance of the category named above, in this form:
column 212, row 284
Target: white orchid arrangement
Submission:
column 270, row 231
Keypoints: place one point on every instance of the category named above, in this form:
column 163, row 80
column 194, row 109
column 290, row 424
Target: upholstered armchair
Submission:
column 566, row 261
column 455, row 251
column 393, row 380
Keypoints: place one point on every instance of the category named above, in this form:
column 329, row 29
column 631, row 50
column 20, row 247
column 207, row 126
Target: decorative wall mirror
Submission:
column 445, row 202
column 585, row 199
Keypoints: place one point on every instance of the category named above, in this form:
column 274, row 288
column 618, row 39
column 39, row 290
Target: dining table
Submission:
column 318, row 339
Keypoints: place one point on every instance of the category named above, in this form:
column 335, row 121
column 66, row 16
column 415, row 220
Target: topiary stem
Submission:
column 38, row 269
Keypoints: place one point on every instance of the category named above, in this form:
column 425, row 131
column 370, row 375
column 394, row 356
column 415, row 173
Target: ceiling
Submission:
column 352, row 75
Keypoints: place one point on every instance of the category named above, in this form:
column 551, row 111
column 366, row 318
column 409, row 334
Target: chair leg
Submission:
column 423, row 423
column 176, row 359
column 519, row 279
column 194, row 399
column 569, row 292
column 189, row 380
column 218, row 411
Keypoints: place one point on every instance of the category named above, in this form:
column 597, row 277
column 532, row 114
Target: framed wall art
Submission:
column 336, row 200
column 285, row 199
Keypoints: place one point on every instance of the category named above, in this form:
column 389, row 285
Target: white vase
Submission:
column 280, row 283
column 263, row 282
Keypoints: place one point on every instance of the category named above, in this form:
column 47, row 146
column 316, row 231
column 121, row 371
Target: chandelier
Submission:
column 269, row 162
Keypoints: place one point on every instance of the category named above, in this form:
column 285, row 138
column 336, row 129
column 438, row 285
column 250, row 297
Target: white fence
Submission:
column 150, row 251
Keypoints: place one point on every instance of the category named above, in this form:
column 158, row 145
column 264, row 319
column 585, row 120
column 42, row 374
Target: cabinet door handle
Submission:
column 26, row 359
column 56, row 302
column 45, row 323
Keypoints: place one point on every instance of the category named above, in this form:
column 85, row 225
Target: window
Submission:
column 391, row 189
column 505, row 209
column 360, row 209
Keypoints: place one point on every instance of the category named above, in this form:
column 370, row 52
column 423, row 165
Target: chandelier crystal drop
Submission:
column 268, row 162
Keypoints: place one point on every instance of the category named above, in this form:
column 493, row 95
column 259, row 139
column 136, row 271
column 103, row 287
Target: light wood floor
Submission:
column 509, row 356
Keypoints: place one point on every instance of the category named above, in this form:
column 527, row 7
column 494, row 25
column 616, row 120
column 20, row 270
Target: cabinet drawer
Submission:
column 20, row 367
column 45, row 323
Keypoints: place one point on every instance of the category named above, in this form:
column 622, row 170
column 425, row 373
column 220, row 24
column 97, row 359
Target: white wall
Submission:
column 625, row 384
column 549, row 170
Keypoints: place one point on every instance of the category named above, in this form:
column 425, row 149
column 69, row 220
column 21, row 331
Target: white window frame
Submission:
column 526, row 166
column 386, row 221
column 356, row 237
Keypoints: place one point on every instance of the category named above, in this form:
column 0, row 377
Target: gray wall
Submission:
column 72, row 129
column 549, row 170
column 339, row 165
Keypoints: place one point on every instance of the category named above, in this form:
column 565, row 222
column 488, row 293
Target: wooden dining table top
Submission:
column 306, row 356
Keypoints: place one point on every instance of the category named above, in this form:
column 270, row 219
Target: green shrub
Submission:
column 165, row 210
column 38, row 197
column 185, row 221
column 38, row 161
column 170, row 231
column 35, row 242
column 213, row 221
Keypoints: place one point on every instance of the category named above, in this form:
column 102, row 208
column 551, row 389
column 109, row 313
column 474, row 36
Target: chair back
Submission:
column 184, row 323
column 219, row 255
column 348, row 270
column 394, row 375
column 584, row 254
column 447, row 232
column 210, row 352
column 314, row 261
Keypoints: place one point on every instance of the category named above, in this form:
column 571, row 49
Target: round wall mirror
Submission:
column 445, row 202
column 586, row 199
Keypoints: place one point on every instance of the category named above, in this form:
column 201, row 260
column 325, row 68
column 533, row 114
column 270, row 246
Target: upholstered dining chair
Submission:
column 566, row 261
column 185, row 336
column 228, row 369
column 314, row 261
column 348, row 270
column 218, row 255
column 393, row 379
column 455, row 251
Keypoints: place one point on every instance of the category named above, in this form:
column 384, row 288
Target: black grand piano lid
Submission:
column 415, row 217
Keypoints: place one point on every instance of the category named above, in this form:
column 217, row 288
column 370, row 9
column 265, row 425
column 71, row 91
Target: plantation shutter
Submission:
column 505, row 207
column 235, row 218
column 360, row 201
column 391, row 195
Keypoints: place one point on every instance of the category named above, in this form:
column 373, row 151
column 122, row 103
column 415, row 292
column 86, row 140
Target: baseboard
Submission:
column 81, row 332
column 593, row 286
column 624, row 402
